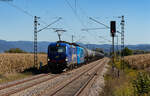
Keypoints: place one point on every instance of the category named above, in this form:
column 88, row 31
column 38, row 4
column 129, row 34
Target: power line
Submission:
column 75, row 6
column 49, row 24
column 20, row 9
column 91, row 29
column 24, row 11
column 99, row 22
column 85, row 14
column 76, row 15
column 105, row 39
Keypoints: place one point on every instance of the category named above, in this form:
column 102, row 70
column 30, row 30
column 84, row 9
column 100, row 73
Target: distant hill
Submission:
column 42, row 46
column 24, row 45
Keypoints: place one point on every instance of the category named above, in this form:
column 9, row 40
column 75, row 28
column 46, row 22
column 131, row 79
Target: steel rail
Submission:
column 82, row 91
column 68, row 81
column 3, row 86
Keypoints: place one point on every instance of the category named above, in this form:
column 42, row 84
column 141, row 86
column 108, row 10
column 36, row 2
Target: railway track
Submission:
column 10, row 84
column 28, row 85
column 10, row 87
column 84, row 90
column 14, row 87
column 76, row 85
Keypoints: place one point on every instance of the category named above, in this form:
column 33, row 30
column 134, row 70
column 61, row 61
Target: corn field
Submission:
column 141, row 61
column 18, row 62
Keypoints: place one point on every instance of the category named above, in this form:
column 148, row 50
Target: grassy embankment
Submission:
column 134, row 80
column 16, row 66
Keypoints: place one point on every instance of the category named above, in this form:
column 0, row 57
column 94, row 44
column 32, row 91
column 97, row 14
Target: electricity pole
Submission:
column 35, row 37
column 72, row 38
column 122, row 41
column 117, row 53
column 35, row 41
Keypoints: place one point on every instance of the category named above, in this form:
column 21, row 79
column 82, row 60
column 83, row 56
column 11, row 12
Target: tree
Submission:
column 99, row 50
column 15, row 50
column 126, row 51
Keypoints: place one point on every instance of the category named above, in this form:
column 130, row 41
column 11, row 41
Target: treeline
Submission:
column 15, row 50
column 18, row 50
column 126, row 51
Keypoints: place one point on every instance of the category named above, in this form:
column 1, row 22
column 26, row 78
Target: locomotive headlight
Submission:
column 66, row 59
column 48, row 59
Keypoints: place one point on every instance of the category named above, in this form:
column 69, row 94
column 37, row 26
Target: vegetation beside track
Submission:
column 14, row 66
column 13, row 76
column 18, row 62
column 141, row 61
column 132, row 81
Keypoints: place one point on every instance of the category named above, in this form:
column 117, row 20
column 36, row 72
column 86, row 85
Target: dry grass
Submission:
column 13, row 76
column 122, row 86
column 139, row 61
column 11, row 63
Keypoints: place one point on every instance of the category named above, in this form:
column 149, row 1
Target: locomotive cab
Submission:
column 57, row 56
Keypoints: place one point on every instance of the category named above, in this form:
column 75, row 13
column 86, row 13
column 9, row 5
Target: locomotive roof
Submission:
column 75, row 44
column 68, row 43
column 63, row 42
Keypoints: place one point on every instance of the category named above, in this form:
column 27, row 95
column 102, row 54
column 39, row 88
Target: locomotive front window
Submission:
column 59, row 49
column 53, row 49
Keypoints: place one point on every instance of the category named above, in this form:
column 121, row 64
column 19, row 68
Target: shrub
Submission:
column 142, row 84
column 127, row 51
column 15, row 50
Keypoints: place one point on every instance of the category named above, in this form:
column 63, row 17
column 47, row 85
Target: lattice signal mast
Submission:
column 35, row 36
column 35, row 41
column 122, row 41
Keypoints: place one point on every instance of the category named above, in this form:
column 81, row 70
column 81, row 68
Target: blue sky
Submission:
column 16, row 25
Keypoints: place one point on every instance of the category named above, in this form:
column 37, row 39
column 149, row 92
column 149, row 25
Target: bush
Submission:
column 142, row 84
column 15, row 50
column 127, row 51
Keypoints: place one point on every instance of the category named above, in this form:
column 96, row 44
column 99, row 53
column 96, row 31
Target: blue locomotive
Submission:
column 62, row 55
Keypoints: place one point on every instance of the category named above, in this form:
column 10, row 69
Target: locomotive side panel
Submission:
column 66, row 55
column 80, row 55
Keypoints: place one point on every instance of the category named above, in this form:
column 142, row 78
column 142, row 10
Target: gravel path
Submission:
column 99, row 84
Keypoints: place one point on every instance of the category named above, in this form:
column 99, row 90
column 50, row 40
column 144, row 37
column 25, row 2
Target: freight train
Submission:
column 64, row 55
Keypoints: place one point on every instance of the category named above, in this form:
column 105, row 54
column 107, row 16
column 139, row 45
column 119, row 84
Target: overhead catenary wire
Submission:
column 75, row 6
column 87, row 29
column 91, row 29
column 50, row 24
column 76, row 15
column 103, row 24
column 85, row 14
column 99, row 22
column 23, row 11
column 20, row 9
column 74, row 11
column 105, row 39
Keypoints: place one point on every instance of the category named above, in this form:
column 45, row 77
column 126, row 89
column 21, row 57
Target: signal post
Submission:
column 113, row 32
